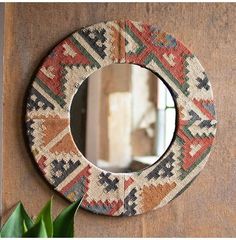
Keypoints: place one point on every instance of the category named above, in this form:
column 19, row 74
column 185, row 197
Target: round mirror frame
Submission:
column 48, row 117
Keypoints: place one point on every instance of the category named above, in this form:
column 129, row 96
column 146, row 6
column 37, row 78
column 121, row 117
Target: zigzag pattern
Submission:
column 58, row 79
column 30, row 131
column 107, row 207
column 96, row 40
column 78, row 186
column 130, row 204
column 61, row 169
column 37, row 101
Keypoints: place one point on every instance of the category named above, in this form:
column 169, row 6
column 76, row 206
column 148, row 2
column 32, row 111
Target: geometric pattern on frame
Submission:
column 48, row 117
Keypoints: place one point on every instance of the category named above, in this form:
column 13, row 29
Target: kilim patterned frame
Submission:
column 48, row 117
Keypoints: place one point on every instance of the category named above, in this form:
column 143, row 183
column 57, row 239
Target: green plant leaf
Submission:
column 46, row 215
column 63, row 225
column 25, row 229
column 37, row 231
column 14, row 226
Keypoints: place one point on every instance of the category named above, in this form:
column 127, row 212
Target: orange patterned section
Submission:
column 65, row 145
column 152, row 195
column 52, row 127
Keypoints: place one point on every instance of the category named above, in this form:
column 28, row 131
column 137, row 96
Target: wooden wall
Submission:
column 1, row 95
column 208, row 207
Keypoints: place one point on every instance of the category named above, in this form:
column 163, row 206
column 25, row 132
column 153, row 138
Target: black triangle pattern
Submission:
column 96, row 39
column 37, row 101
column 29, row 131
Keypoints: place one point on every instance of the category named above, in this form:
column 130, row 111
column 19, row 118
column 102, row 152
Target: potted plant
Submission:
column 19, row 224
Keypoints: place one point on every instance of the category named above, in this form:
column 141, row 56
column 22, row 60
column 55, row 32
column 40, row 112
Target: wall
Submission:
column 1, row 94
column 208, row 207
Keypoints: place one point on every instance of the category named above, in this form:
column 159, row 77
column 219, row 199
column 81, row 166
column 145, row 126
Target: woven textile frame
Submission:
column 48, row 117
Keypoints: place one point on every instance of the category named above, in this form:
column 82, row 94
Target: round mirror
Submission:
column 123, row 118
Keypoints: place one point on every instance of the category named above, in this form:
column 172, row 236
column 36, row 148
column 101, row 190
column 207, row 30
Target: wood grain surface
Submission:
column 1, row 96
column 208, row 207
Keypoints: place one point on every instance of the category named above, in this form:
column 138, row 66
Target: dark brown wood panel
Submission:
column 208, row 207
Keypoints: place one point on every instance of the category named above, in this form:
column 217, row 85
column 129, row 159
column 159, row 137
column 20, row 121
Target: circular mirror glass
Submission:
column 123, row 118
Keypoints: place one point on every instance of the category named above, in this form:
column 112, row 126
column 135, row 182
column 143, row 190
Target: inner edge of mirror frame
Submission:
column 176, row 119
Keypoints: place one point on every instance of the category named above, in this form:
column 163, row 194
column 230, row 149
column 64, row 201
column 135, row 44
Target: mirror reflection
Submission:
column 123, row 118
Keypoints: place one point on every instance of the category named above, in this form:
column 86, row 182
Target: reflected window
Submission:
column 160, row 111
